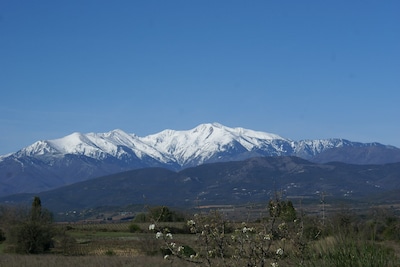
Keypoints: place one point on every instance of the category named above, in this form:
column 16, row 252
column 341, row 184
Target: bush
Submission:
column 110, row 252
column 159, row 214
column 2, row 236
column 140, row 218
column 31, row 237
column 164, row 214
column 134, row 228
column 188, row 251
column 64, row 243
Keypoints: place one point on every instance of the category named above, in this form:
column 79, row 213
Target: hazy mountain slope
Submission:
column 249, row 181
column 373, row 154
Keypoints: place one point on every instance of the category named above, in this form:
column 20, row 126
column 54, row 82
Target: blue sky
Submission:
column 300, row 69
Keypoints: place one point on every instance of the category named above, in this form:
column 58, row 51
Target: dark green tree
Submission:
column 36, row 211
column 34, row 234
column 164, row 214
column 288, row 213
column 282, row 209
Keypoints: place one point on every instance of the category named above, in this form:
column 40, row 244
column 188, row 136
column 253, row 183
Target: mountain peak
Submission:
column 217, row 124
column 82, row 156
column 39, row 148
column 116, row 132
column 238, row 131
column 201, row 144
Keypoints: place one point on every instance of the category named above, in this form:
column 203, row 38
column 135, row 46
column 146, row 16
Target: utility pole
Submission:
column 323, row 207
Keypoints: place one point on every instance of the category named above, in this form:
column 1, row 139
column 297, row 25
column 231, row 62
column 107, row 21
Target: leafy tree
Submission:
column 282, row 209
column 141, row 217
column 33, row 234
column 159, row 214
column 36, row 211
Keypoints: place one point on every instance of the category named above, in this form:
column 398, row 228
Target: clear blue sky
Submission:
column 300, row 69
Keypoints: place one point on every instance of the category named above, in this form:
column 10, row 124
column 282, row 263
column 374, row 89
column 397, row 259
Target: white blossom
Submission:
column 159, row 235
column 282, row 226
column 152, row 226
column 247, row 229
column 279, row 251
column 169, row 235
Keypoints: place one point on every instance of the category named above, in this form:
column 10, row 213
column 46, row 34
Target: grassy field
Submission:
column 251, row 237
column 8, row 260
column 112, row 244
column 96, row 245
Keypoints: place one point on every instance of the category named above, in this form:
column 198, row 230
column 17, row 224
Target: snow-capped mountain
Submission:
column 76, row 157
column 100, row 146
column 185, row 148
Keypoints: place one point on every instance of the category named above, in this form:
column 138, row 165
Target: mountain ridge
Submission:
column 181, row 146
column 253, row 180
column 47, row 164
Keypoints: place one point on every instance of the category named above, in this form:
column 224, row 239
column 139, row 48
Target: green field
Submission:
column 113, row 245
column 276, row 235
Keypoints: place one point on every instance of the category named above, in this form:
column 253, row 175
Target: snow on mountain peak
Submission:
column 199, row 143
column 39, row 148
column 188, row 147
column 203, row 141
column 237, row 132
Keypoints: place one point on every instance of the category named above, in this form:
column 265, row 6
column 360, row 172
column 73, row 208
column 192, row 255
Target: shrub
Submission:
column 188, row 251
column 2, row 236
column 64, row 243
column 134, row 228
column 140, row 218
column 32, row 237
column 164, row 214
column 110, row 253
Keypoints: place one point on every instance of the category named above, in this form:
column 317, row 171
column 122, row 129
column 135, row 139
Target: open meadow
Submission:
column 279, row 236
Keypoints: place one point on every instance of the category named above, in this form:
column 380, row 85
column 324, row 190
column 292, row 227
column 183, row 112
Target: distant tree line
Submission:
column 159, row 214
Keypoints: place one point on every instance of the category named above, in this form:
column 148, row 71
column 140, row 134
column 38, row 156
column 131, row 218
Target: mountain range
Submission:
column 49, row 164
column 250, row 181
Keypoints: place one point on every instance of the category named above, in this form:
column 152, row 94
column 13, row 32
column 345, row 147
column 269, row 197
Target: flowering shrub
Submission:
column 223, row 243
column 281, row 239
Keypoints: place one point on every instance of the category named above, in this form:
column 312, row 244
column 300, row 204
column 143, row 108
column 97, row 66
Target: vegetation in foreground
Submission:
column 279, row 236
